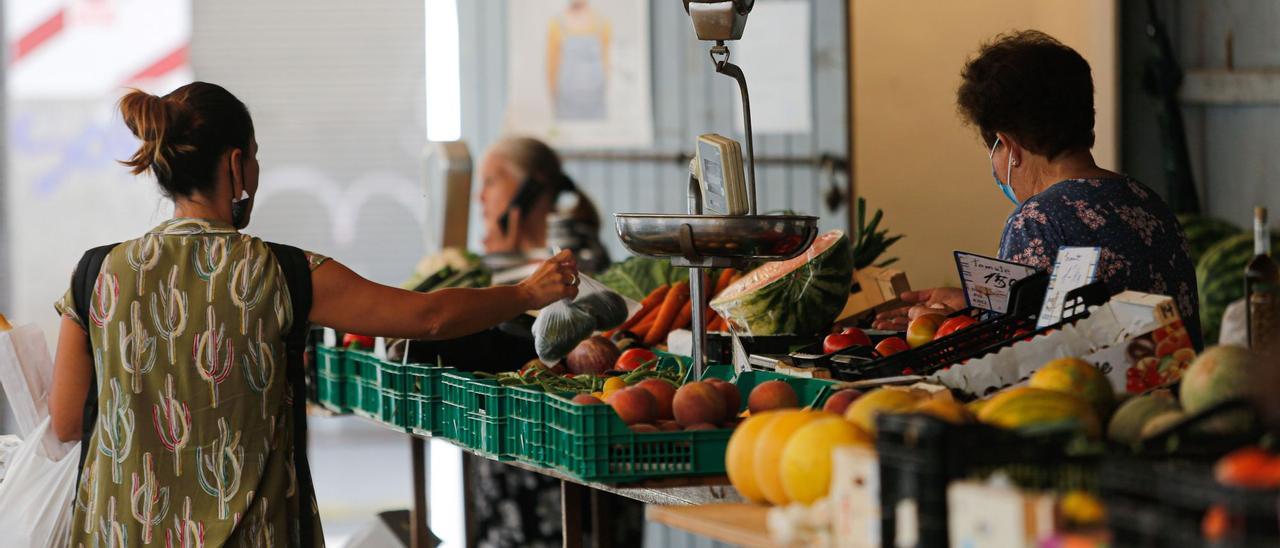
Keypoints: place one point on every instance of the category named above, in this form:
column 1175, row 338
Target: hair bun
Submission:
column 161, row 124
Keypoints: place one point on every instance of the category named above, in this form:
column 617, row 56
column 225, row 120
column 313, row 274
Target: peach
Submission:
column 698, row 402
column 643, row 428
column 701, row 426
column 922, row 329
column 634, row 405
column 663, row 392
column 668, row 426
column 585, row 399
column 838, row 402
column 732, row 396
column 769, row 395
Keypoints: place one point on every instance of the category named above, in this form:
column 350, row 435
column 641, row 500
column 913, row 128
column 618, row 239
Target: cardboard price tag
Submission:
column 987, row 281
column 1074, row 268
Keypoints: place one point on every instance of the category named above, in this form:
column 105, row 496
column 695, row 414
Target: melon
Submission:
column 806, row 460
column 1203, row 232
column 1126, row 425
column 1220, row 279
column 740, row 453
column 863, row 411
column 1029, row 408
column 1078, row 378
column 769, row 445
column 1219, row 374
column 1160, row 423
column 945, row 409
column 798, row 296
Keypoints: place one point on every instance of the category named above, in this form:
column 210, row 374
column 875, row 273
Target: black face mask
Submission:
column 240, row 210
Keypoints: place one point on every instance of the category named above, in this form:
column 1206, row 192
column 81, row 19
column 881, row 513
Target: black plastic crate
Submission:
column 988, row 336
column 921, row 455
column 1163, row 502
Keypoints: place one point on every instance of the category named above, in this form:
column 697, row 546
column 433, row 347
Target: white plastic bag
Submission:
column 26, row 374
column 37, row 493
column 562, row 325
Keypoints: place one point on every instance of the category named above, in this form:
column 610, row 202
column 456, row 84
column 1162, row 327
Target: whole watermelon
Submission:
column 1220, row 279
column 1203, row 232
column 798, row 296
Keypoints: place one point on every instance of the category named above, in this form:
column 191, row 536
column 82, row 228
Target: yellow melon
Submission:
column 863, row 411
column 769, row 445
column 806, row 459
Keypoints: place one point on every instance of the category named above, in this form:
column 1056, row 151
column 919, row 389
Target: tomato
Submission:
column 891, row 346
column 954, row 324
column 862, row 338
column 633, row 358
column 351, row 340
column 838, row 342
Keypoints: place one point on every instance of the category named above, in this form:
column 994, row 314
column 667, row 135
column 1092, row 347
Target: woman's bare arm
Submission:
column 345, row 301
column 72, row 372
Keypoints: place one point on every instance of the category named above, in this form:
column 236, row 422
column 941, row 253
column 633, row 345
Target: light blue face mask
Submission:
column 1005, row 187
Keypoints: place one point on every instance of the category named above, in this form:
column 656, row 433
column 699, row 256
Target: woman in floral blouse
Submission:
column 185, row 334
column 1031, row 99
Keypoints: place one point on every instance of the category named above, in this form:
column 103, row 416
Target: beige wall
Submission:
column 913, row 157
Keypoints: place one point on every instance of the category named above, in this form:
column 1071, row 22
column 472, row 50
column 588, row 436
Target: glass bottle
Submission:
column 1262, row 289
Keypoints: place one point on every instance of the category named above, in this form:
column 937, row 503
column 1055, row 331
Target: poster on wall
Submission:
column 578, row 72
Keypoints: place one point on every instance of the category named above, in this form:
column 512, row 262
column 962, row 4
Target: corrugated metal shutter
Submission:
column 337, row 93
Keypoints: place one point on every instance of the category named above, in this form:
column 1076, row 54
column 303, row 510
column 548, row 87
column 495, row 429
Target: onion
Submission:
column 592, row 356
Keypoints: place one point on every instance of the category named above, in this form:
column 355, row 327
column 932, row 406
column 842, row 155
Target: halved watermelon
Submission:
column 798, row 296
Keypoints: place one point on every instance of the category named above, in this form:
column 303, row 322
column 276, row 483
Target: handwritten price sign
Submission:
column 987, row 281
column 1075, row 267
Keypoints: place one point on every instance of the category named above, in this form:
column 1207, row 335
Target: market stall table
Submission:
column 699, row 492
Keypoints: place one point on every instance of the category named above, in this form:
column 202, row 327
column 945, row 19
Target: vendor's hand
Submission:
column 498, row 241
column 940, row 300
column 556, row 279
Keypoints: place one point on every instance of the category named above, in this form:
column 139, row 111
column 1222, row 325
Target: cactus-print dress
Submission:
column 193, row 445
column 1143, row 246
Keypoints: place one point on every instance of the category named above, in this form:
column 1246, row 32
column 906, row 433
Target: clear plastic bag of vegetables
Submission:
column 562, row 325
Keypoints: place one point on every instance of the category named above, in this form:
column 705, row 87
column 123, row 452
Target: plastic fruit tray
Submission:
column 392, row 400
column 331, row 378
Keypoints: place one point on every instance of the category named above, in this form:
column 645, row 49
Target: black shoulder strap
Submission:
column 297, row 274
column 82, row 282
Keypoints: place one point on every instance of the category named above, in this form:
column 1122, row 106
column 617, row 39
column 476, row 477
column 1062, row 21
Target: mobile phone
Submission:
column 523, row 200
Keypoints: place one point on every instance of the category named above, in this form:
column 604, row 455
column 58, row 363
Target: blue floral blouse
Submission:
column 1143, row 247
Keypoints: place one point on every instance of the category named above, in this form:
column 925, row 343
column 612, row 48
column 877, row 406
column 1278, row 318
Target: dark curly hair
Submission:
column 1032, row 87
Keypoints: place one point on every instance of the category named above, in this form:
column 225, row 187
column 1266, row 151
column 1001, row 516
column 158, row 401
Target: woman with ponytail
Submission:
column 189, row 339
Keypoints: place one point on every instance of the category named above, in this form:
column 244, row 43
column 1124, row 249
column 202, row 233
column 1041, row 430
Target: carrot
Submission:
column 671, row 306
column 641, row 329
column 685, row 317
column 725, row 276
column 647, row 307
column 717, row 325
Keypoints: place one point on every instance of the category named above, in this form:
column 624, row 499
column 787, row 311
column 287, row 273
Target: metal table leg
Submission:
column 419, row 533
column 571, row 499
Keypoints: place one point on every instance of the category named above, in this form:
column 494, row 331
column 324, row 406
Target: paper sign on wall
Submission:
column 1074, row 268
column 987, row 282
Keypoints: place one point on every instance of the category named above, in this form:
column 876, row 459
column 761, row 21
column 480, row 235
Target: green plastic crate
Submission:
column 423, row 395
column 391, row 395
column 810, row 391
column 475, row 413
column 331, row 392
column 526, row 423
column 330, row 360
column 591, row 443
column 364, row 367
